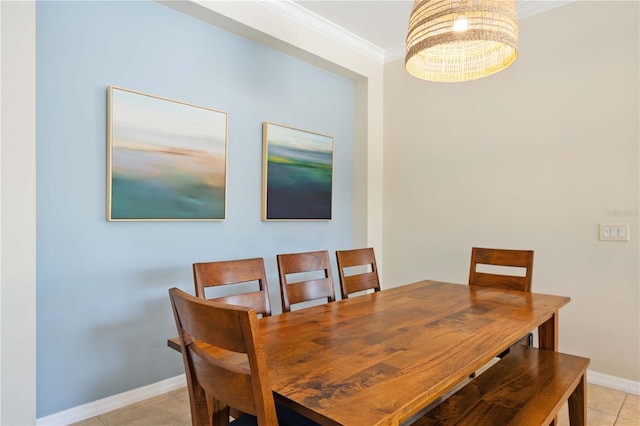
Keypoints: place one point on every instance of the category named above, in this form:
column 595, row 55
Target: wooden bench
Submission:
column 527, row 387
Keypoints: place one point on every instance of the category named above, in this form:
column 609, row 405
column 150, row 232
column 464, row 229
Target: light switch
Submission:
column 622, row 232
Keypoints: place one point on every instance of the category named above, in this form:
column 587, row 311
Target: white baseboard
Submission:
column 114, row 402
column 613, row 382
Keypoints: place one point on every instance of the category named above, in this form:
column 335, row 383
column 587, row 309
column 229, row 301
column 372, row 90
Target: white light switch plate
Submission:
column 614, row 232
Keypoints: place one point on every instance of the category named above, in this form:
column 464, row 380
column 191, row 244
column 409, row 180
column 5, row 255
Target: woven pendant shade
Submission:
column 461, row 40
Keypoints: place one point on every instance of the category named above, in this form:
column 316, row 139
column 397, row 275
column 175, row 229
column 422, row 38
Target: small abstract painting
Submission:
column 167, row 160
column 297, row 174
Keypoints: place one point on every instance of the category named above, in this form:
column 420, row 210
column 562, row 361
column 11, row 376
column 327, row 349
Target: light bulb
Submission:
column 460, row 24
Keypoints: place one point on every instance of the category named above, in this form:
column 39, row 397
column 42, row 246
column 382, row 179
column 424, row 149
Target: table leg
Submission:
column 548, row 333
column 577, row 405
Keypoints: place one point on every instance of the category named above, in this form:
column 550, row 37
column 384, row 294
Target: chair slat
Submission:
column 307, row 289
column 355, row 283
column 213, row 274
column 501, row 257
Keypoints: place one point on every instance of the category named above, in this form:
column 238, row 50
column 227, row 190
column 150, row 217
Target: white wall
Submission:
column 17, row 229
column 534, row 157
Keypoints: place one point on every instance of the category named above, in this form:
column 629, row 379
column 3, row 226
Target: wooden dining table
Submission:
column 381, row 358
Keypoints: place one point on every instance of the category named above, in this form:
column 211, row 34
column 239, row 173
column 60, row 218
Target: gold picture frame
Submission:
column 297, row 174
column 167, row 159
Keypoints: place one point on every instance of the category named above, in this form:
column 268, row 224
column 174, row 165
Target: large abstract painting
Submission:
column 167, row 160
column 297, row 174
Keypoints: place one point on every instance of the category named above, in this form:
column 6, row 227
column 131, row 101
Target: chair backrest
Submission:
column 308, row 289
column 364, row 257
column 501, row 257
column 206, row 352
column 210, row 274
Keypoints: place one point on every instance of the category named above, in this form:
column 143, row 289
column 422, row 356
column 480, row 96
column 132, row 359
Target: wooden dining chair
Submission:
column 235, row 272
column 311, row 287
column 225, row 365
column 502, row 258
column 507, row 259
column 354, row 283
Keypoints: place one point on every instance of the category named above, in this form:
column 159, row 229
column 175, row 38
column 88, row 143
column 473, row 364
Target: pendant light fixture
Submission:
column 461, row 40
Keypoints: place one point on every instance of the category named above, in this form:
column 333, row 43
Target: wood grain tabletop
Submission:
column 379, row 358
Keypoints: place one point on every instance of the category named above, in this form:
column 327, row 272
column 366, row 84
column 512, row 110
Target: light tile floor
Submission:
column 169, row 409
column 606, row 407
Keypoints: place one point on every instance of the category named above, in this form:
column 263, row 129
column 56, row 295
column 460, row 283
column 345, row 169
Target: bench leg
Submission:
column 548, row 339
column 577, row 405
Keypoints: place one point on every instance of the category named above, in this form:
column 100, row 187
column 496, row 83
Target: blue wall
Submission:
column 103, row 314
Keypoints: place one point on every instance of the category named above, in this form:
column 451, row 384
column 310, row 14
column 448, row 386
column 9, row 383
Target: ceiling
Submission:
column 382, row 24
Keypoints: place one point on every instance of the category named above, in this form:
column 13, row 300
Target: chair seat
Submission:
column 286, row 417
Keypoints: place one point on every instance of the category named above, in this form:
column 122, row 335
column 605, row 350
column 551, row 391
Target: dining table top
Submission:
column 381, row 358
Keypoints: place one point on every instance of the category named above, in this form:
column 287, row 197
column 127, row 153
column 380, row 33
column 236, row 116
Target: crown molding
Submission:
column 302, row 16
column 527, row 8
column 395, row 53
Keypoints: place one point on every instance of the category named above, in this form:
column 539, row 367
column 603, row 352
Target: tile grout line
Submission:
column 615, row 422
